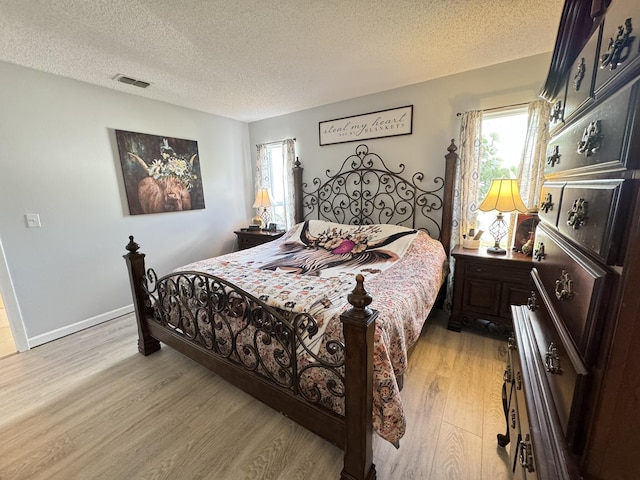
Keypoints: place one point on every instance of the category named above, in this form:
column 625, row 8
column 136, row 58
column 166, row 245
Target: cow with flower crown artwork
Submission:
column 161, row 174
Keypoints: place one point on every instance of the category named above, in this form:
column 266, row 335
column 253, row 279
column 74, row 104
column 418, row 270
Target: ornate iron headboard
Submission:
column 365, row 191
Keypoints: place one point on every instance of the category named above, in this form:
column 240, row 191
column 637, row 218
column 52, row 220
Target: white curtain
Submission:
column 465, row 193
column 534, row 156
column 289, row 151
column 465, row 201
column 263, row 173
column 531, row 168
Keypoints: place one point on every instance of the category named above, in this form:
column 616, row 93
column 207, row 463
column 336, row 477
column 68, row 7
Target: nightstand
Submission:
column 252, row 238
column 484, row 287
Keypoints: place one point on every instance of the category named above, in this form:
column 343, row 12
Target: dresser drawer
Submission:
column 522, row 449
column 521, row 456
column 511, row 413
column 619, row 50
column 582, row 76
column 574, row 284
column 565, row 371
column 592, row 215
column 544, row 432
column 551, row 195
column 595, row 142
column 488, row 270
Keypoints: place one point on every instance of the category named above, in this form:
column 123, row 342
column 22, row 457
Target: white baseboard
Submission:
column 76, row 327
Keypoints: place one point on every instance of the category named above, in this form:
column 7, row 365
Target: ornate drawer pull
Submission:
column 619, row 48
column 577, row 216
column 532, row 302
column 552, row 360
column 547, row 204
column 519, row 381
column 508, row 377
column 577, row 78
column 526, row 456
column 538, row 253
column 591, row 138
column 554, row 157
column 564, row 286
column 557, row 112
column 513, row 418
column 511, row 343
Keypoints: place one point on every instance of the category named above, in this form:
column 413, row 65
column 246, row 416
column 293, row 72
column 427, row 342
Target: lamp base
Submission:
column 496, row 250
column 257, row 221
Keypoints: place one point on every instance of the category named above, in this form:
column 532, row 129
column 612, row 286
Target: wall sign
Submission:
column 385, row 123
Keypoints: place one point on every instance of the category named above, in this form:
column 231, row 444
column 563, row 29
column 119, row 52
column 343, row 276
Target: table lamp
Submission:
column 263, row 200
column 503, row 196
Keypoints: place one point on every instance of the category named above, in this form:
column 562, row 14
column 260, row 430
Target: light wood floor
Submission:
column 88, row 406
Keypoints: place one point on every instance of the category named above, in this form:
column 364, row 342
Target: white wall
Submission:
column 59, row 159
column 435, row 104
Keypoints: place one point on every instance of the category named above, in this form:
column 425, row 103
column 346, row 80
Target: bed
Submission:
column 292, row 326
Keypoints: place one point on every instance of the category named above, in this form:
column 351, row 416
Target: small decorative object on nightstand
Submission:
column 248, row 238
column 485, row 286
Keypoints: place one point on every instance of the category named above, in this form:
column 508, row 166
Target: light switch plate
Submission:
column 32, row 220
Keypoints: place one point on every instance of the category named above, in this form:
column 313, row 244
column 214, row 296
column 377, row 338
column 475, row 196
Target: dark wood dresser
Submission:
column 572, row 384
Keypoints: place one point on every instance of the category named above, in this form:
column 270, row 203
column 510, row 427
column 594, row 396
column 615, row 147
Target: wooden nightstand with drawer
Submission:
column 485, row 286
column 252, row 238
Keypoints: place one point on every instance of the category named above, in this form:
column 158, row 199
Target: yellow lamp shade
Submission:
column 263, row 198
column 503, row 196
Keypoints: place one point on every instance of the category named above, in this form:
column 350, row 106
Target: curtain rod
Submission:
column 499, row 108
column 269, row 143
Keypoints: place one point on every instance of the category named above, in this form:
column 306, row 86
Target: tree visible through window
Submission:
column 503, row 138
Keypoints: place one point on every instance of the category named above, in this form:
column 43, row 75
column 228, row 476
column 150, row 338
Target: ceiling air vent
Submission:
column 132, row 81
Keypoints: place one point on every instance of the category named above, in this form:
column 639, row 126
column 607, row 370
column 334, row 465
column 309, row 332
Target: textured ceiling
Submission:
column 254, row 59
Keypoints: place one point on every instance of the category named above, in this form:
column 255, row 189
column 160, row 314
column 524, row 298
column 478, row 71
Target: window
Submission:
column 275, row 177
column 503, row 139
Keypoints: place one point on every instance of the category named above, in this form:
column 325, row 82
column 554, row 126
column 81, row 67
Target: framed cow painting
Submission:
column 161, row 173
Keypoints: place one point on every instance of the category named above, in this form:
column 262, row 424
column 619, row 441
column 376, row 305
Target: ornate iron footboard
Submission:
column 236, row 326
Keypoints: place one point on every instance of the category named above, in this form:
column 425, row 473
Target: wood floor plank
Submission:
column 443, row 348
column 465, row 402
column 426, row 385
column 89, row 407
column 424, row 406
column 458, row 455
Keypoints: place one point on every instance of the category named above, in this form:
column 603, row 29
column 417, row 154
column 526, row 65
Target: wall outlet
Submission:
column 32, row 220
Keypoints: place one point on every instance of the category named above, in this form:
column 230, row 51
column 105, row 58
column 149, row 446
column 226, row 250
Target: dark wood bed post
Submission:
column 297, row 188
column 447, row 194
column 358, row 325
column 135, row 264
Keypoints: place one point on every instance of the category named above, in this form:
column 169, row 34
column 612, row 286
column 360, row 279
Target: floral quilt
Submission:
column 311, row 269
